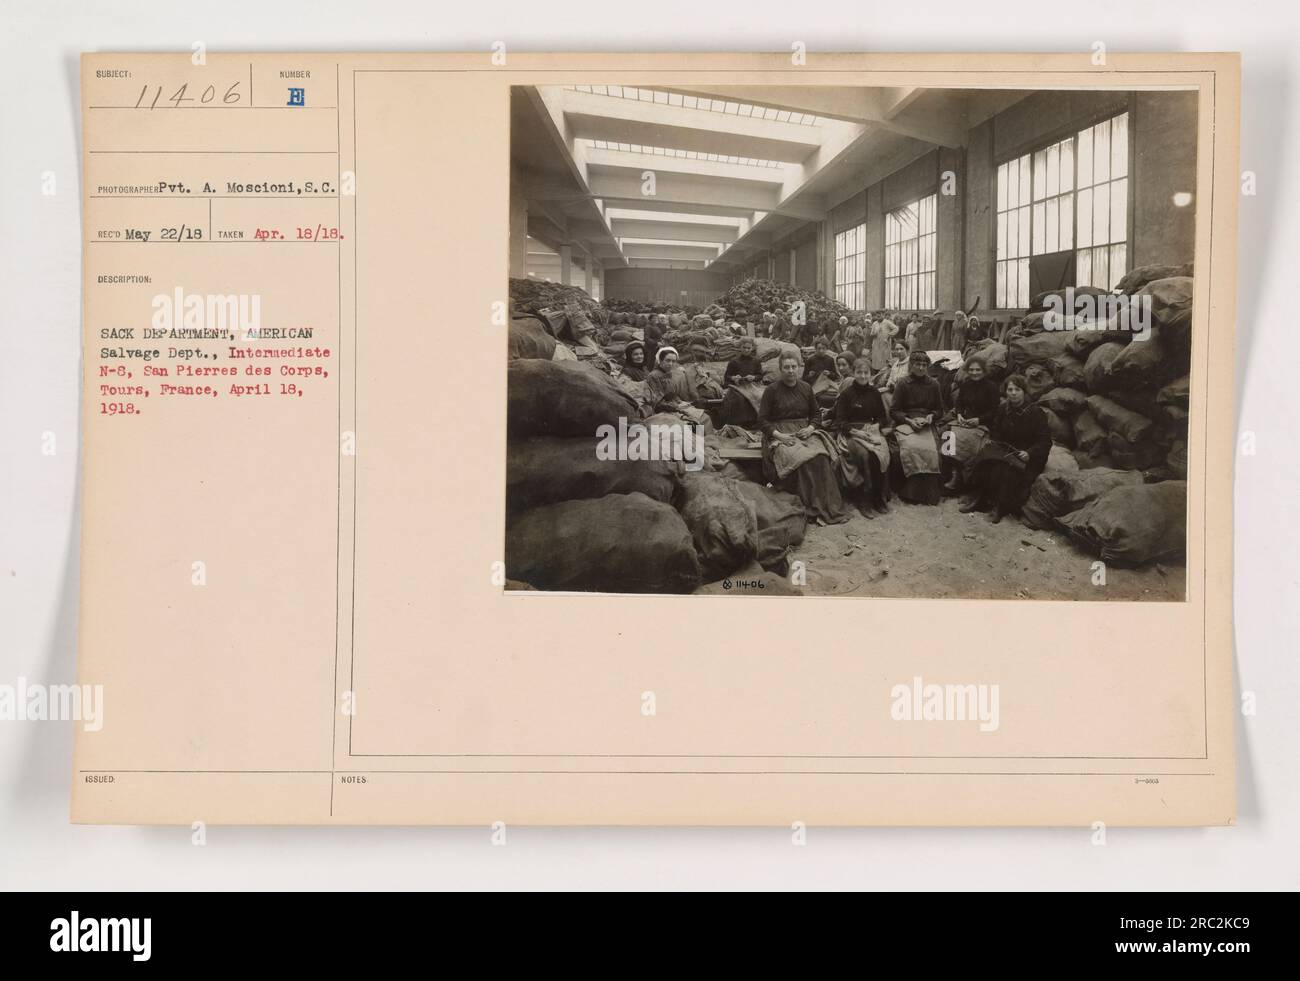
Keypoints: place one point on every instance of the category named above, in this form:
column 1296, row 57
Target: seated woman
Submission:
column 915, row 409
column 975, row 400
column 894, row 372
column 743, row 378
column 819, row 372
column 844, row 370
column 668, row 389
column 746, row 367
column 795, row 452
column 861, row 425
column 1008, row 465
column 634, row 366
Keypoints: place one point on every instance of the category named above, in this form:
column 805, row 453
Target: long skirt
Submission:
column 918, row 486
column 875, row 485
column 1003, row 486
column 816, row 485
column 815, row 481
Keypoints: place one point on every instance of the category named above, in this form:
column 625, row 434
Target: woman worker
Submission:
column 1006, row 469
column 667, row 387
column 744, row 388
column 975, row 400
column 861, row 424
column 795, row 453
column 882, row 333
column 634, row 365
column 914, row 409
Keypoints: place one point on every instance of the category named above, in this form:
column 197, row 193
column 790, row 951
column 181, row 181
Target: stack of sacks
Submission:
column 1130, row 390
column 1054, row 495
column 575, row 521
column 529, row 338
column 1136, row 523
column 579, row 520
column 619, row 543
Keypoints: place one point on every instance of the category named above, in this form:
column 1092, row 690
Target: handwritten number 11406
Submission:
column 180, row 97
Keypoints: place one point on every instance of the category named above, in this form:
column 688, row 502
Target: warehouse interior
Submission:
column 864, row 302
column 817, row 186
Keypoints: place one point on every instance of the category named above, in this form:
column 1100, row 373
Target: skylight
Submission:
column 682, row 154
column 700, row 102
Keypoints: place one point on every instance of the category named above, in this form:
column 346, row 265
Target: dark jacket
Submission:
column 977, row 399
column 1025, row 429
column 913, row 397
column 816, row 364
column 781, row 401
column 858, row 404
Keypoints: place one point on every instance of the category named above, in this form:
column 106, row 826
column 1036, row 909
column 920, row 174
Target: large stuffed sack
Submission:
column 1056, row 494
column 1060, row 460
column 723, row 524
column 620, row 543
column 1114, row 418
column 1147, row 361
column 1040, row 302
column 1176, row 460
column 1173, row 401
column 1139, row 277
column 766, row 349
column 1068, row 402
column 1098, row 364
column 1171, row 312
column 548, row 469
column 1134, row 524
column 1068, row 371
column 1089, row 435
column 1026, row 349
column 1177, row 393
column 1038, row 380
column 529, row 339
column 563, row 398
column 1134, row 456
column 1050, row 320
column 780, row 518
column 1142, row 401
column 1060, row 427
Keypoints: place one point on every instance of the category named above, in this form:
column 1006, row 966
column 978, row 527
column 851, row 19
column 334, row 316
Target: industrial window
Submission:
column 851, row 267
column 1103, row 204
column 910, row 255
column 1036, row 213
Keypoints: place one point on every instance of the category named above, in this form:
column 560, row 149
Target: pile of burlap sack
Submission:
column 1118, row 401
column 577, row 522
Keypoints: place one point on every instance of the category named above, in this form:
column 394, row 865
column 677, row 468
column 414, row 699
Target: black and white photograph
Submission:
column 829, row 340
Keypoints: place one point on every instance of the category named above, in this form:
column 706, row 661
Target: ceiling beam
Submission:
column 658, row 163
column 680, row 231
column 615, row 120
column 700, row 253
column 943, row 123
column 679, row 189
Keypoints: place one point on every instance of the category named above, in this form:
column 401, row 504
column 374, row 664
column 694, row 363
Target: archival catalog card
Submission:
column 658, row 439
